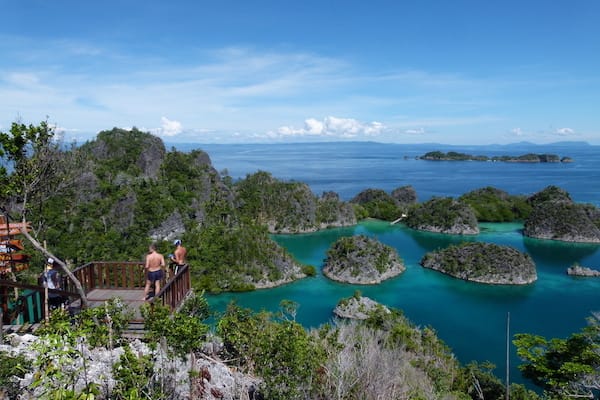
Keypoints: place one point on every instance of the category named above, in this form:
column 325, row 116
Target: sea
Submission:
column 476, row 321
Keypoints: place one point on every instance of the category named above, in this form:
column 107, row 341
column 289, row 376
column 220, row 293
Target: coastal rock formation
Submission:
column 556, row 217
column 494, row 205
column 549, row 193
column 357, row 307
column 578, row 270
column 377, row 203
column 290, row 207
column 443, row 215
column 483, row 263
column 405, row 195
column 333, row 212
column 524, row 158
column 361, row 260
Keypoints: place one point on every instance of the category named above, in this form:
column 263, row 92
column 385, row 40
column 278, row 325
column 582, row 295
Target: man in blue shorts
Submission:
column 155, row 263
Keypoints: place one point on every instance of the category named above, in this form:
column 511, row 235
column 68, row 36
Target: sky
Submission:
column 254, row 71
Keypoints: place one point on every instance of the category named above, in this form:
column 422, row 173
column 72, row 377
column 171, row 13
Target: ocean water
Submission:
column 471, row 318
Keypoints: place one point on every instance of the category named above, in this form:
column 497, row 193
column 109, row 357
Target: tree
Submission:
column 29, row 169
column 29, row 163
column 563, row 367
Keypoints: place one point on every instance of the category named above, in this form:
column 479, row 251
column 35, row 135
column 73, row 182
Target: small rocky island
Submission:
column 443, row 215
column 357, row 307
column 524, row 158
column 483, row 263
column 556, row 216
column 578, row 270
column 361, row 260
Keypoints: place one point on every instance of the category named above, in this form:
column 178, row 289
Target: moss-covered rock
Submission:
column 443, row 215
column 495, row 205
column 564, row 221
column 361, row 260
column 483, row 263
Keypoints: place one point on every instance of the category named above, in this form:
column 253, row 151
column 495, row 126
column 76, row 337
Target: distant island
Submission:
column 525, row 158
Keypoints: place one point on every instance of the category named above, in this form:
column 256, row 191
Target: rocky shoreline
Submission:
column 361, row 260
column 483, row 263
column 578, row 270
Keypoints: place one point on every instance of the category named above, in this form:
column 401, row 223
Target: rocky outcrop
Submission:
column 443, row 215
column 358, row 307
column 290, row 207
column 333, row 212
column 405, row 195
column 549, row 193
column 361, row 260
column 563, row 220
column 483, row 263
column 217, row 380
column 578, row 270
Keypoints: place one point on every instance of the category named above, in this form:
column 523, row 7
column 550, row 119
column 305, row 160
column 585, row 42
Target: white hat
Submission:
column 50, row 260
column 177, row 242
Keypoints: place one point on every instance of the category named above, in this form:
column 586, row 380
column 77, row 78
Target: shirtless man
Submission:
column 179, row 256
column 154, row 270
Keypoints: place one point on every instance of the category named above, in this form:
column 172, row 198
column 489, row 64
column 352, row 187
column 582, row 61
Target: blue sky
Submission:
column 455, row 72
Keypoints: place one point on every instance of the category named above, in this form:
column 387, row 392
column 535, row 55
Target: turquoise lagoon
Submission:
column 471, row 318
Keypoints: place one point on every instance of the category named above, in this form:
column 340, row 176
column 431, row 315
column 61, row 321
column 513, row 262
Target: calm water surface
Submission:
column 469, row 317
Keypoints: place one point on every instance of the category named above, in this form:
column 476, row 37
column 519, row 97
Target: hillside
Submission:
column 128, row 191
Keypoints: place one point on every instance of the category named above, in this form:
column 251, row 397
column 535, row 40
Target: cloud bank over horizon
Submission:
column 224, row 82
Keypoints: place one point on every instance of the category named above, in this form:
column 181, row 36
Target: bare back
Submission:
column 180, row 255
column 154, row 261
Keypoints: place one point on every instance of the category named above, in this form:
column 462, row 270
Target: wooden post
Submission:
column 507, row 355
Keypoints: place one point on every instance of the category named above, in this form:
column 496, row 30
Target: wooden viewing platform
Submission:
column 101, row 281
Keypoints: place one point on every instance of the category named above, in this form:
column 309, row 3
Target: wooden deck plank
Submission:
column 132, row 298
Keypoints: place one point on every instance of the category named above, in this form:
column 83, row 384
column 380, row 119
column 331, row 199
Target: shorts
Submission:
column 154, row 276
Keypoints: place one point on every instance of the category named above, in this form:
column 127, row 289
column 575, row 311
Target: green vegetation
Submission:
column 376, row 203
column 483, row 262
column 183, row 331
column 12, row 367
column 360, row 259
column 456, row 156
column 284, row 206
column 494, row 205
column 442, row 215
column 106, row 199
column 564, row 368
column 555, row 216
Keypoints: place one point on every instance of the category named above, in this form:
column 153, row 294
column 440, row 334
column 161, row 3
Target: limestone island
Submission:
column 358, row 307
column 361, row 260
column 483, row 263
column 556, row 216
column 578, row 270
column 443, row 215
column 524, row 158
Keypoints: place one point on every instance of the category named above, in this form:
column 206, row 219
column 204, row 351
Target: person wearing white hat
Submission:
column 179, row 256
column 51, row 280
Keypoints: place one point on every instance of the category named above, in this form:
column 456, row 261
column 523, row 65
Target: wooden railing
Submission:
column 175, row 290
column 132, row 275
column 29, row 306
column 110, row 275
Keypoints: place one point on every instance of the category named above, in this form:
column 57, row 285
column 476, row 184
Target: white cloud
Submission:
column 332, row 127
column 517, row 132
column 419, row 131
column 169, row 128
column 564, row 132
